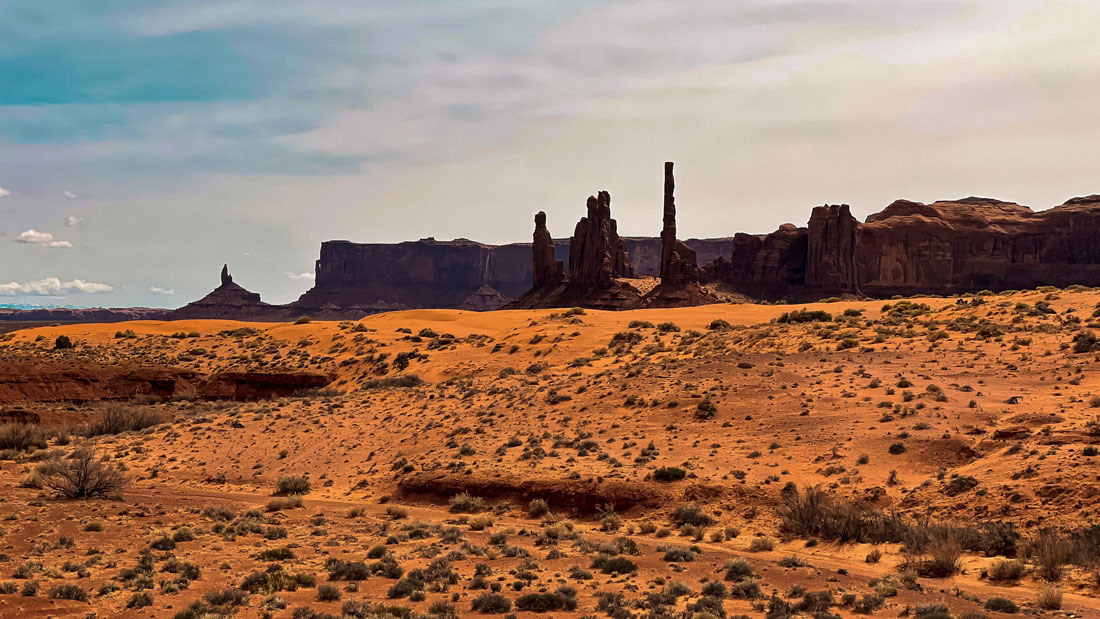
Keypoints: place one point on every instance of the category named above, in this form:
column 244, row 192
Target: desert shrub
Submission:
column 303, row 320
column 142, row 599
column 119, row 418
column 68, row 591
column 63, row 342
column 276, row 554
column 492, row 603
column 668, row 327
column 802, row 315
column 942, row 560
column 611, row 565
column 21, row 437
column 745, row 590
column 81, row 476
column 678, row 554
column 466, row 503
column 347, row 570
column 693, row 515
column 738, row 570
column 1050, row 598
column 761, row 543
column 1085, row 341
column 327, row 593
column 669, row 473
column 719, row 325
column 537, row 508
column 293, row 501
column 1001, row 605
column 1051, row 554
column 563, row 599
column 705, row 409
column 1006, row 569
column 293, row 484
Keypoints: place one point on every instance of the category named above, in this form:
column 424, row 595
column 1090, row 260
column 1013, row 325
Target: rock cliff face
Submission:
column 909, row 248
column 35, row 380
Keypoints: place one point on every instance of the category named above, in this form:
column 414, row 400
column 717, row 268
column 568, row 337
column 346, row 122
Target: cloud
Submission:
column 297, row 276
column 159, row 290
column 68, row 194
column 4, row 192
column 45, row 239
column 53, row 287
column 73, row 221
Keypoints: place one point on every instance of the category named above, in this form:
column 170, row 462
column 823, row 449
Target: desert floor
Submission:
column 652, row 463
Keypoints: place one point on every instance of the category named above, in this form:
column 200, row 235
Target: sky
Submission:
column 144, row 143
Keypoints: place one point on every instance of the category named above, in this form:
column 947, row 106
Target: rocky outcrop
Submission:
column 38, row 380
column 597, row 256
column 679, row 285
column 908, row 248
column 597, row 261
column 678, row 264
column 228, row 301
column 545, row 270
column 257, row 385
column 830, row 255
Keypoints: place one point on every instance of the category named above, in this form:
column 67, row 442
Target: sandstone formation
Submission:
column 545, row 270
column 596, row 253
column 597, row 260
column 38, row 380
column 228, row 301
column 910, row 248
column 679, row 285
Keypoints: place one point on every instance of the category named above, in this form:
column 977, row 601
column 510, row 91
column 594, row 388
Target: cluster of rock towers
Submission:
column 598, row 260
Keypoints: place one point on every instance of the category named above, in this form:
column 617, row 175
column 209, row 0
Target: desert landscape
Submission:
column 929, row 457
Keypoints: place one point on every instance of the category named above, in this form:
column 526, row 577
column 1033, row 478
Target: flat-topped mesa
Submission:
column 597, row 256
column 545, row 270
column 678, row 261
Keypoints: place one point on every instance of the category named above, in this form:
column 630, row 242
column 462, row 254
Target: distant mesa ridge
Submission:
column 908, row 248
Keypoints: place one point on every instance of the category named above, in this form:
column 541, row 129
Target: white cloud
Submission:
column 68, row 194
column 159, row 290
column 4, row 192
column 72, row 221
column 45, row 239
column 299, row 275
column 53, row 287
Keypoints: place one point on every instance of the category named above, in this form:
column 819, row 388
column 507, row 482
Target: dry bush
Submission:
column 1051, row 554
column 82, row 476
column 21, row 437
column 119, row 418
column 1050, row 598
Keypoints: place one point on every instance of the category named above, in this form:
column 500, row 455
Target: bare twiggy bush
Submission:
column 82, row 476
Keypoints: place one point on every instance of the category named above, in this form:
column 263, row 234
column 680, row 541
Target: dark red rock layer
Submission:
column 37, row 380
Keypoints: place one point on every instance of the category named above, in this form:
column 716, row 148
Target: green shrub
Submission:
column 669, row 473
column 293, row 484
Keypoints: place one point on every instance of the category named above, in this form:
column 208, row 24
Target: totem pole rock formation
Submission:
column 679, row 268
column 545, row 269
column 678, row 261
